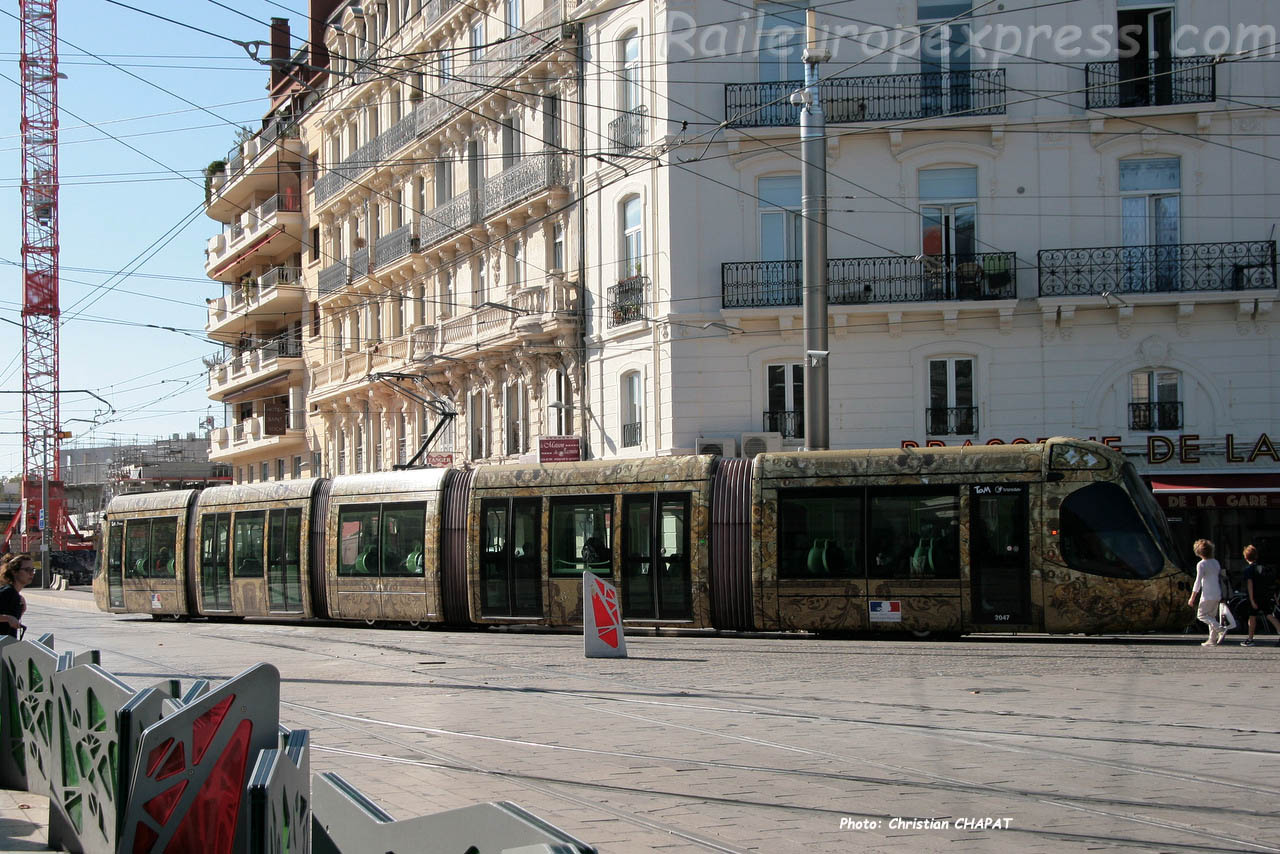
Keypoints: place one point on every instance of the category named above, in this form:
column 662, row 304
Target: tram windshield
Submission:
column 1102, row 534
column 1150, row 511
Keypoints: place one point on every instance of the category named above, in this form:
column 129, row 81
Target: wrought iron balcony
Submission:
column 333, row 277
column 1176, row 267
column 360, row 263
column 632, row 433
column 627, row 131
column 626, row 300
column 879, row 98
column 788, row 422
column 393, row 246
column 1153, row 83
column 1161, row 415
column 539, row 35
column 534, row 173
column 952, row 420
column 885, row 279
column 454, row 216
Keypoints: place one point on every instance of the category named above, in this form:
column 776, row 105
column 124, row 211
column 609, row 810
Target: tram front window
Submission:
column 1150, row 511
column 1102, row 534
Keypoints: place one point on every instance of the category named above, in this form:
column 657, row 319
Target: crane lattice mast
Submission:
column 41, row 481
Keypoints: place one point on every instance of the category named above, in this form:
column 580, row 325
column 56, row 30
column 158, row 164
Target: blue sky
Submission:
column 118, row 206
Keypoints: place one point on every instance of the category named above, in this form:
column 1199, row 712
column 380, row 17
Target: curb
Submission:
column 54, row 599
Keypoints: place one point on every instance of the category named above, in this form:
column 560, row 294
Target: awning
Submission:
column 1209, row 483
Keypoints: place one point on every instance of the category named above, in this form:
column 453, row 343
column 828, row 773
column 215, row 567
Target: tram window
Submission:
column 358, row 541
column 137, row 542
column 1102, row 534
column 582, row 536
column 403, row 533
column 1150, row 510
column 914, row 535
column 819, row 534
column 164, row 538
column 248, row 542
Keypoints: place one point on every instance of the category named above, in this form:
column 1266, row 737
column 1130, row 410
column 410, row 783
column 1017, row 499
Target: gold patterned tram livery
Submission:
column 1061, row 536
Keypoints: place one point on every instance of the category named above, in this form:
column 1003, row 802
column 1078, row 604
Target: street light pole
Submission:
column 813, row 189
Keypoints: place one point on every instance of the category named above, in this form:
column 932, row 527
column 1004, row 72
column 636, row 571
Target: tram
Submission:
column 1061, row 536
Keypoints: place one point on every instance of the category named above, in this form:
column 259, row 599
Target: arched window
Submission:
column 632, row 398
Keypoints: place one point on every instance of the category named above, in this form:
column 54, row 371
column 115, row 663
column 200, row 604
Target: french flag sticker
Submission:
column 886, row 610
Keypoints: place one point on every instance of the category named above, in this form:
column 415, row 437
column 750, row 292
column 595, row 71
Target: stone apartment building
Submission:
column 582, row 220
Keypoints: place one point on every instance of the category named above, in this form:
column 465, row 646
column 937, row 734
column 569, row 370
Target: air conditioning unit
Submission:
column 726, row 447
column 759, row 443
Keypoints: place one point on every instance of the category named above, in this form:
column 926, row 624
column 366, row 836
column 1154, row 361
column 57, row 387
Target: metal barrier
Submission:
column 346, row 821
column 209, row 770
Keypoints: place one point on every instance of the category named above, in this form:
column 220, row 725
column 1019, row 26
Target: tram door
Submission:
column 999, row 573
column 215, row 562
column 656, row 579
column 115, row 564
column 510, row 564
column 284, row 574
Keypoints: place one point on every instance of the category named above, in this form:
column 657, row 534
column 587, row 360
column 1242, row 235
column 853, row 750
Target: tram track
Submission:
column 1114, row 809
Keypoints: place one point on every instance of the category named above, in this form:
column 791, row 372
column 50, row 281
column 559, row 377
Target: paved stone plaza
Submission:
column 766, row 744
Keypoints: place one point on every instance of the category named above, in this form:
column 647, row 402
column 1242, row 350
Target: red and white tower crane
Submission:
column 42, row 492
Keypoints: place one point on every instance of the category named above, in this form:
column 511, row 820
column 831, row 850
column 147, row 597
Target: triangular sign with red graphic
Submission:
column 602, row 633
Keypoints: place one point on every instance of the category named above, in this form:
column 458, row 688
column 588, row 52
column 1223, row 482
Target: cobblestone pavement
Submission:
column 769, row 744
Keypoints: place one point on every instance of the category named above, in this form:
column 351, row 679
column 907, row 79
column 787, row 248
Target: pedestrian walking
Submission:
column 16, row 572
column 1259, row 583
column 1209, row 589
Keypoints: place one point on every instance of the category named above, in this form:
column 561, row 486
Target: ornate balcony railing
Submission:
column 422, row 343
column 360, row 263
column 854, row 281
column 393, row 246
column 333, row 277
column 1176, row 267
column 879, row 98
column 499, row 61
column 1152, row 83
column 632, row 433
column 952, row 420
column 626, row 301
column 627, row 131
column 788, row 422
column 534, row 172
column 456, row 215
column 1161, row 415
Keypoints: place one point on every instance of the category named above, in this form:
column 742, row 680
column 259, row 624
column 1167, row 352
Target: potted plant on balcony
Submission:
column 217, row 167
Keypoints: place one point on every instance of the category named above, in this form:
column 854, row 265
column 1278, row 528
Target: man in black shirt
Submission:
column 1259, row 582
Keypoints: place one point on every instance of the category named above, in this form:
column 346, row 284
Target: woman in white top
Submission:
column 1209, row 590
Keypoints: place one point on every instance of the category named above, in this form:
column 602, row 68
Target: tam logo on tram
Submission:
column 1061, row 536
